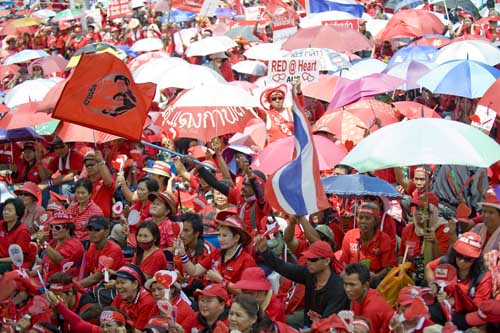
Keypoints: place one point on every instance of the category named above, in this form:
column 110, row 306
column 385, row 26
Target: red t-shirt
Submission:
column 72, row 250
column 376, row 309
column 19, row 235
column 60, row 163
column 379, row 251
column 81, row 218
column 139, row 310
column 169, row 232
column 275, row 310
column 232, row 269
column 103, row 195
column 152, row 264
column 27, row 174
column 111, row 249
column 409, row 238
column 194, row 322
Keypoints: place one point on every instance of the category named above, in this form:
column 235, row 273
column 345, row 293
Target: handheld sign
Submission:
column 16, row 255
column 134, row 217
column 117, row 208
column 484, row 118
column 289, row 70
column 105, row 263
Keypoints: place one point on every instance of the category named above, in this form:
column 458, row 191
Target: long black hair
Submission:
column 153, row 228
column 476, row 272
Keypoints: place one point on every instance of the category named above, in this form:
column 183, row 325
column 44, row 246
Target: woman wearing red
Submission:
column 278, row 119
column 224, row 265
column 28, row 166
column 213, row 311
column 148, row 256
column 164, row 205
column 132, row 298
column 83, row 208
column 65, row 251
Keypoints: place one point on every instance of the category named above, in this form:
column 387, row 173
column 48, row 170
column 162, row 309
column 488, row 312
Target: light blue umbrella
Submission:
column 410, row 71
column 178, row 16
column 358, row 186
column 24, row 56
column 418, row 53
column 466, row 78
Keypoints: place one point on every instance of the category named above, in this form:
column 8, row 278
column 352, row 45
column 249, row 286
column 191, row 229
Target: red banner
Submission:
column 119, row 8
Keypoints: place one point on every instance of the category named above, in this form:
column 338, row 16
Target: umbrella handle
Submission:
column 195, row 161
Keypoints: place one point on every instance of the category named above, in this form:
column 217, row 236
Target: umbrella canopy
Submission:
column 6, row 70
column 491, row 98
column 154, row 70
column 477, row 50
column 417, row 53
column 465, row 5
column 178, row 16
column 265, row 52
column 280, row 152
column 24, row 115
column 147, row 45
column 464, row 78
column 424, row 141
column 254, row 135
column 412, row 23
column 141, row 59
column 363, row 67
column 210, row 45
column 69, row 132
column 348, row 91
column 410, row 71
column 24, row 56
column 25, row 22
column 328, row 59
column 51, row 64
column 29, row 91
column 414, row 110
column 189, row 76
column 437, row 41
column 245, row 31
column 18, row 134
column 356, row 186
column 253, row 67
column 95, row 48
column 330, row 37
column 68, row 15
column 342, row 125
column 323, row 89
column 44, row 14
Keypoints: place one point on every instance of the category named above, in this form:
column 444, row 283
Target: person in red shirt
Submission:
column 212, row 309
column 278, row 118
column 76, row 39
column 368, row 244
column 412, row 314
column 428, row 6
column 224, row 265
column 104, row 184
column 28, row 168
column 163, row 205
column 132, row 298
column 64, row 252
column 473, row 280
column 366, row 302
column 33, row 212
column 148, row 256
column 100, row 245
column 255, row 284
column 12, row 231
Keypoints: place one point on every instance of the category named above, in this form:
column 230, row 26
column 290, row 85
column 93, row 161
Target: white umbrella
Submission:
column 190, row 76
column 329, row 60
column 362, row 68
column 313, row 20
column 25, row 55
column 44, row 14
column 265, row 52
column 477, row 50
column 251, row 67
column 216, row 94
column 29, row 91
column 155, row 69
column 147, row 44
column 210, row 45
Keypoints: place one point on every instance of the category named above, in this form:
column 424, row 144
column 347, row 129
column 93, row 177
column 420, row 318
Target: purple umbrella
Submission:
column 348, row 91
column 411, row 71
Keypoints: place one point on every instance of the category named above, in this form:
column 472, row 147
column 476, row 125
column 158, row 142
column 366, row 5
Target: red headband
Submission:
column 421, row 169
column 132, row 272
column 112, row 316
column 60, row 287
column 369, row 211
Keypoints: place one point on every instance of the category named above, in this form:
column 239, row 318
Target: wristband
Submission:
column 185, row 259
column 49, row 182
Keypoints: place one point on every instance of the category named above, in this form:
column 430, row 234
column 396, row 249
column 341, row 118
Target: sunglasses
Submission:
column 94, row 229
column 23, row 194
column 276, row 99
column 314, row 259
column 464, row 258
column 57, row 227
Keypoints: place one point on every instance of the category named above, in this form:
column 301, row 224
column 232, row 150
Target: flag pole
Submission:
column 195, row 161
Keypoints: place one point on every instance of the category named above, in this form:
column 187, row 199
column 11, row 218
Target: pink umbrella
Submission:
column 24, row 115
column 414, row 110
column 144, row 58
column 249, row 86
column 254, row 135
column 48, row 104
column 348, row 91
column 50, row 64
column 69, row 132
column 280, row 152
column 323, row 89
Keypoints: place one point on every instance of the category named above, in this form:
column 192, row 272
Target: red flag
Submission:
column 102, row 94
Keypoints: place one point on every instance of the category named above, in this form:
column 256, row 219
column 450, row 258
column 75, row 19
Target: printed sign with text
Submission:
column 484, row 118
column 288, row 70
column 119, row 8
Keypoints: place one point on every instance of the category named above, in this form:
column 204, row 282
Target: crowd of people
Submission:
column 121, row 237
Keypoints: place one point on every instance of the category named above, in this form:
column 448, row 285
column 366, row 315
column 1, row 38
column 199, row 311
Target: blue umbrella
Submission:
column 225, row 12
column 178, row 16
column 126, row 49
column 419, row 53
column 18, row 134
column 465, row 78
column 359, row 185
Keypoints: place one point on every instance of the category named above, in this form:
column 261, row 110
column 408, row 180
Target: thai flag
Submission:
column 296, row 187
column 349, row 6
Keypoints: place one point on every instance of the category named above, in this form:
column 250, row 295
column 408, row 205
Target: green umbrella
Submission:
column 47, row 128
column 424, row 141
column 68, row 14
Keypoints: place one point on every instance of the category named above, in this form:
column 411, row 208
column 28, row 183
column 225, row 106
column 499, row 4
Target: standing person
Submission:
column 104, row 184
column 366, row 302
column 278, row 118
column 148, row 256
column 324, row 292
column 12, row 231
column 34, row 215
column 83, row 208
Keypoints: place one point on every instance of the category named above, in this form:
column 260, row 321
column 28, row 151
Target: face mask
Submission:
column 145, row 245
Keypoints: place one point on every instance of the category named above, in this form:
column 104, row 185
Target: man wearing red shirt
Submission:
column 100, row 246
column 366, row 302
column 104, row 184
column 76, row 39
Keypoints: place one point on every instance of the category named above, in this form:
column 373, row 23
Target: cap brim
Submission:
column 473, row 319
column 310, row 255
column 156, row 172
column 96, row 225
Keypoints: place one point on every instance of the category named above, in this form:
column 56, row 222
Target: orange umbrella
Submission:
column 323, row 89
column 491, row 98
column 69, row 132
column 414, row 110
column 24, row 115
column 342, row 125
column 48, row 104
column 369, row 110
column 412, row 23
column 6, row 70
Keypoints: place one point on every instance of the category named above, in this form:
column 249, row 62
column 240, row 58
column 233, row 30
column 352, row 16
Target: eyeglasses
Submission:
column 57, row 227
column 274, row 99
column 22, row 194
column 464, row 258
column 314, row 259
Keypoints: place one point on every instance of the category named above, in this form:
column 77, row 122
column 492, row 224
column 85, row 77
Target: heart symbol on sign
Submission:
column 105, row 262
column 463, row 211
column 165, row 307
column 166, row 278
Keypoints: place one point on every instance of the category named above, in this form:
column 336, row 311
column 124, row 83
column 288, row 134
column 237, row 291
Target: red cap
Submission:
column 167, row 198
column 431, row 199
column 493, row 18
column 60, row 217
column 326, row 325
column 368, row 208
column 417, row 309
column 488, row 312
column 253, row 278
column 319, row 249
column 111, row 315
column 214, row 290
column 30, row 188
column 407, row 295
column 490, row 200
column 469, row 244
